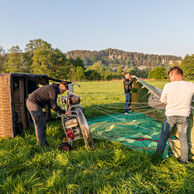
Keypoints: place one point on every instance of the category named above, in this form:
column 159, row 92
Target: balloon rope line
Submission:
column 154, row 103
column 120, row 119
column 114, row 107
column 122, row 113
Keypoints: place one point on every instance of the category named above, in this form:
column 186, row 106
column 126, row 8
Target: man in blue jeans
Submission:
column 127, row 89
column 177, row 97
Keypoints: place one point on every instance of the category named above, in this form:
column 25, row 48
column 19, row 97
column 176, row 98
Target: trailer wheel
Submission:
column 65, row 147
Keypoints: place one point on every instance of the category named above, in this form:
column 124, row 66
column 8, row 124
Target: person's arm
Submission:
column 53, row 101
column 163, row 98
column 131, row 80
column 193, row 88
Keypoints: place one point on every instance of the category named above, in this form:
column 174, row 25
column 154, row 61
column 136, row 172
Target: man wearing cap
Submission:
column 46, row 95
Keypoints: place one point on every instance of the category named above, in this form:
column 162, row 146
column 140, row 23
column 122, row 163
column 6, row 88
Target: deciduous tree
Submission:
column 187, row 66
column 41, row 61
column 14, row 60
column 79, row 73
column 157, row 73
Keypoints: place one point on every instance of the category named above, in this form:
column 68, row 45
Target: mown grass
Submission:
column 107, row 168
column 158, row 84
column 96, row 96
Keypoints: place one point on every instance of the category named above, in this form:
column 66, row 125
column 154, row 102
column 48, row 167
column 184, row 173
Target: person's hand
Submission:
column 164, row 104
column 68, row 113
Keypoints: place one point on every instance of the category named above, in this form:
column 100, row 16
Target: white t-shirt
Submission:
column 178, row 95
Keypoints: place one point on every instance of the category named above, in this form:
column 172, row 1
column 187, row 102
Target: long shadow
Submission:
column 108, row 164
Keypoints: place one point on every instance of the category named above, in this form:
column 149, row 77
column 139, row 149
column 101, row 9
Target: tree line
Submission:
column 40, row 57
column 187, row 65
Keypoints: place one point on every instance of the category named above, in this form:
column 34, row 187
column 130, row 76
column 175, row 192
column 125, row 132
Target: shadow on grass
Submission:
column 108, row 167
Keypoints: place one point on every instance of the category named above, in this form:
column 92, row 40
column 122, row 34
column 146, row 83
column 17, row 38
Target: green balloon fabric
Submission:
column 135, row 130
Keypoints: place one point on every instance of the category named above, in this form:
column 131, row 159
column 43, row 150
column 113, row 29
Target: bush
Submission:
column 158, row 73
column 187, row 66
column 92, row 75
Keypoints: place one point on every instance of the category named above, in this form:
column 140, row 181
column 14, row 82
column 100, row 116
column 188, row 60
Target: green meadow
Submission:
column 109, row 167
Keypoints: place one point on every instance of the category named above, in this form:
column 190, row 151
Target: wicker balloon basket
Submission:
column 14, row 90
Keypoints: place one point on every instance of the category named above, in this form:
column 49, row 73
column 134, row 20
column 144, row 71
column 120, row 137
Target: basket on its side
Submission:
column 14, row 90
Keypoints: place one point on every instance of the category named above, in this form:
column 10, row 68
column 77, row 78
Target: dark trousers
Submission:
column 182, row 124
column 39, row 121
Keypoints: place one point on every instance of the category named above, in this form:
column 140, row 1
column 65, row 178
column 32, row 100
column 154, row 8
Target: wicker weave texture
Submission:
column 6, row 124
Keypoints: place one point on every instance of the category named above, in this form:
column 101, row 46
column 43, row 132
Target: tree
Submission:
column 78, row 62
column 14, row 60
column 187, row 66
column 41, row 61
column 79, row 73
column 72, row 73
column 100, row 68
column 139, row 73
column 119, row 70
column 92, row 75
column 77, row 69
column 157, row 73
column 27, row 61
column 37, row 43
column 2, row 56
column 31, row 47
column 59, row 65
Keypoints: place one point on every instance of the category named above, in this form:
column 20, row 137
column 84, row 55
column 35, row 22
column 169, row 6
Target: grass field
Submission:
column 108, row 168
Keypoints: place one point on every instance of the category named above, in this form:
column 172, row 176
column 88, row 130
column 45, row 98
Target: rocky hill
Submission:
column 124, row 58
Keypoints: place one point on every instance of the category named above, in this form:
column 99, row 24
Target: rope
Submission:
column 122, row 113
column 114, row 107
column 122, row 119
column 102, row 110
column 99, row 123
column 99, row 108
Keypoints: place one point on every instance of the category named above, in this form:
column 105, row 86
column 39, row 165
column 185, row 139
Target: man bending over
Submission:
column 46, row 95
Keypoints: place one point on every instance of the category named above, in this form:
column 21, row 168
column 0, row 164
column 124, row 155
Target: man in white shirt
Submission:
column 177, row 97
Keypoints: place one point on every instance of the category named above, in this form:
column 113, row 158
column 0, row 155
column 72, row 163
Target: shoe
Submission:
column 45, row 144
column 183, row 162
column 126, row 113
column 156, row 158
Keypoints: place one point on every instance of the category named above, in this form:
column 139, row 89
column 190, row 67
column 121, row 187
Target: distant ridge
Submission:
column 116, row 56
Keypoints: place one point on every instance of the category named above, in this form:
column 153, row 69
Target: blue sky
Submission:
column 148, row 26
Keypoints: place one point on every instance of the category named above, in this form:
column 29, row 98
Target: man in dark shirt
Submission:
column 127, row 89
column 46, row 95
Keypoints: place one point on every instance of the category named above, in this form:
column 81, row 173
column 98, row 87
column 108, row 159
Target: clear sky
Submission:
column 148, row 26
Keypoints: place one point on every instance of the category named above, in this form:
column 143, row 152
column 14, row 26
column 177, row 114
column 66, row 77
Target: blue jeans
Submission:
column 127, row 101
column 182, row 123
